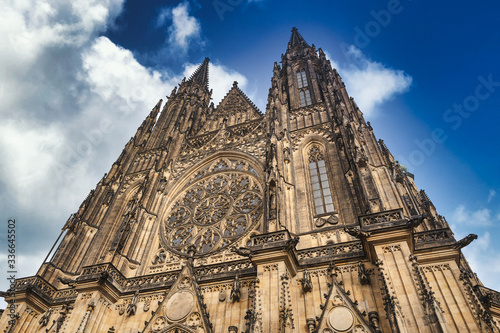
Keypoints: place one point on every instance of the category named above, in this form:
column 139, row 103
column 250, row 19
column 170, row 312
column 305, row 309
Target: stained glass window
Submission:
column 322, row 194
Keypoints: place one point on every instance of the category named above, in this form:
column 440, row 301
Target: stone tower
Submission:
column 225, row 219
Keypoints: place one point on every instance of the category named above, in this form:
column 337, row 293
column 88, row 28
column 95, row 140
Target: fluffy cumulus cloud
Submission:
column 70, row 102
column 484, row 259
column 371, row 82
column 481, row 217
column 183, row 29
column 482, row 255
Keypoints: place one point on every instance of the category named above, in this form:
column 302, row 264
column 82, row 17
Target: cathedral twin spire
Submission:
column 296, row 39
column 200, row 75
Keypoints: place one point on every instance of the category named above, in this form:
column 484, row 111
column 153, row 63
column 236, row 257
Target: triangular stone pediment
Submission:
column 235, row 108
column 182, row 309
column 340, row 313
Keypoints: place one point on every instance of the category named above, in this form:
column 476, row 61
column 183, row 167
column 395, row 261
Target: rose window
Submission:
column 213, row 211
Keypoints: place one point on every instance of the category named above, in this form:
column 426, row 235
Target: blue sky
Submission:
column 415, row 68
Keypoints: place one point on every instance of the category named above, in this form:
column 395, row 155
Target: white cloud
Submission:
column 70, row 102
column 184, row 28
column 114, row 74
column 480, row 217
column 491, row 195
column 26, row 265
column 484, row 260
column 369, row 81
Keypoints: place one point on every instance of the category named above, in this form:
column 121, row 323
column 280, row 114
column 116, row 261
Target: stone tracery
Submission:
column 215, row 209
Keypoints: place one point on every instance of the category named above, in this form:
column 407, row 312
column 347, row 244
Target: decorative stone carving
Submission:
column 132, row 307
column 331, row 220
column 465, row 241
column 235, row 291
column 63, row 313
column 159, row 324
column 331, row 251
column 307, row 285
column 357, row 232
column 363, row 276
column 44, row 320
column 68, row 282
column 374, row 320
column 291, row 243
column 242, row 251
column 415, row 221
column 382, row 217
column 311, row 324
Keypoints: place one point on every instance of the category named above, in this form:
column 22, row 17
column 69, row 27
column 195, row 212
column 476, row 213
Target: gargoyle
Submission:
column 414, row 221
column 68, row 282
column 357, row 232
column 465, row 241
column 243, row 251
column 291, row 243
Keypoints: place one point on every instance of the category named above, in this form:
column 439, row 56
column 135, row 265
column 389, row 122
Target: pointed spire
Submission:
column 200, row 75
column 296, row 39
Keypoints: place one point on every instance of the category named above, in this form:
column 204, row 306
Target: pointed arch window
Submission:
column 302, row 79
column 305, row 98
column 304, row 93
column 323, row 202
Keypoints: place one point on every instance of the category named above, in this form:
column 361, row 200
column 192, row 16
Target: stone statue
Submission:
column 235, row 291
column 132, row 307
column 363, row 276
column 306, row 281
column 45, row 318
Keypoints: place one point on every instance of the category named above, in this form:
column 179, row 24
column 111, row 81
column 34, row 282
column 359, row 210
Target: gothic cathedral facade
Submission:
column 227, row 219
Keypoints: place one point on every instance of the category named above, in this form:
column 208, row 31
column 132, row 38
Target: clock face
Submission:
column 215, row 209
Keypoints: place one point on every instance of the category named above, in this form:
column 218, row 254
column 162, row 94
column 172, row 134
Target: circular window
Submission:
column 213, row 212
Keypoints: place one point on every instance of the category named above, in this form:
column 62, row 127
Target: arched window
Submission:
column 302, row 79
column 305, row 98
column 322, row 194
column 303, row 85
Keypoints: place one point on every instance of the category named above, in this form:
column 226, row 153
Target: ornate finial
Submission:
column 235, row 84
